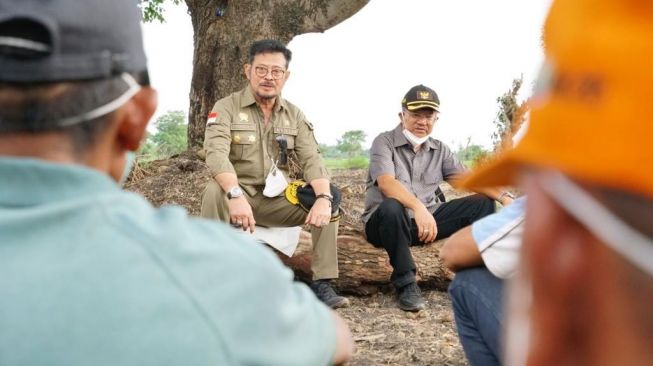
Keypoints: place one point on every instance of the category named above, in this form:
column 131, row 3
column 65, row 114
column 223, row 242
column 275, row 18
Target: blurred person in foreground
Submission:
column 90, row 274
column 404, row 205
column 584, row 291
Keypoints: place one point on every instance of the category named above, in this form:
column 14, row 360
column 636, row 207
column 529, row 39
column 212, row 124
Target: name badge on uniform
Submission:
column 275, row 182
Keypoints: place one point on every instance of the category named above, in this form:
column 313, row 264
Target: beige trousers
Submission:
column 278, row 212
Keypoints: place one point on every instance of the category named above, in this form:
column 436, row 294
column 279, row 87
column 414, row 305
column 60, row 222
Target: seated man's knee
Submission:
column 391, row 207
column 486, row 203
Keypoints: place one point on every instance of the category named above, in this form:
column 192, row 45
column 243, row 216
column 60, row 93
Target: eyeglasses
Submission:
column 262, row 71
column 428, row 117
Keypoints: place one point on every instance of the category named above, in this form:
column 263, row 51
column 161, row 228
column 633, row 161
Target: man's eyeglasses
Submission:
column 262, row 71
column 428, row 117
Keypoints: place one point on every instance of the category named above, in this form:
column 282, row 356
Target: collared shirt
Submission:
column 419, row 172
column 93, row 275
column 499, row 236
column 237, row 141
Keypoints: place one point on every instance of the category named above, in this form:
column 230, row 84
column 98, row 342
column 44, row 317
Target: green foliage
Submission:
column 510, row 116
column 329, row 152
column 153, row 9
column 357, row 162
column 351, row 143
column 348, row 152
column 170, row 137
column 470, row 154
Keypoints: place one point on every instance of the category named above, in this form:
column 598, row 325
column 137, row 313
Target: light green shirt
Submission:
column 93, row 275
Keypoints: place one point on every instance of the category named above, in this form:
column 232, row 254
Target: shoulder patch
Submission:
column 213, row 116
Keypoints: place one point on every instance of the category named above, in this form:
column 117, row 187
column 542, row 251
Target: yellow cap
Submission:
column 592, row 114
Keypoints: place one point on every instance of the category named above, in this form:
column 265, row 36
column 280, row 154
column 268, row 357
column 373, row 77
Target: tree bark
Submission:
column 365, row 270
column 221, row 42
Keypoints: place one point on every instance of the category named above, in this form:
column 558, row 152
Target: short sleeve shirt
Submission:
column 237, row 140
column 93, row 275
column 419, row 172
column 498, row 237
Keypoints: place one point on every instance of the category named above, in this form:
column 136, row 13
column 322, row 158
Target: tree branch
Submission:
column 328, row 13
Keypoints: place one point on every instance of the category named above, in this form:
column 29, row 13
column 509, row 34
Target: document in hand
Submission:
column 283, row 239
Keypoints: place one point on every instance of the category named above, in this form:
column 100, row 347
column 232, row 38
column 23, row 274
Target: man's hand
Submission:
column 427, row 229
column 505, row 201
column 240, row 214
column 320, row 213
column 460, row 251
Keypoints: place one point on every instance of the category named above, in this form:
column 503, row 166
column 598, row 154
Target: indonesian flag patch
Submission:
column 213, row 116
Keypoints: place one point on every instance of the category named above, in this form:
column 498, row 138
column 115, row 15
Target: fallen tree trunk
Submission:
column 365, row 270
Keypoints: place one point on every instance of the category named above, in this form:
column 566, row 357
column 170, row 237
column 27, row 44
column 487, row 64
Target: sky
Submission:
column 354, row 75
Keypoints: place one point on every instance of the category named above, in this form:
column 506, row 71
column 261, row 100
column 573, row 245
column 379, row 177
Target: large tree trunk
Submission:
column 221, row 42
column 365, row 270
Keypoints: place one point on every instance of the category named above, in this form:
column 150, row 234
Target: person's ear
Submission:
column 136, row 114
column 286, row 75
column 246, row 69
column 402, row 119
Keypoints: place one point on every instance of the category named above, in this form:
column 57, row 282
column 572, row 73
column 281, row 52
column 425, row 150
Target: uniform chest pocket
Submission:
column 433, row 178
column 290, row 133
column 243, row 138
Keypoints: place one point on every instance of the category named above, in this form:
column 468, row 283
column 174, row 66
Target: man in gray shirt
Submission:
column 403, row 203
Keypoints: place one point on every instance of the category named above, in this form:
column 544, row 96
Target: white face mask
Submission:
column 275, row 182
column 107, row 108
column 414, row 139
column 518, row 325
column 634, row 246
column 130, row 159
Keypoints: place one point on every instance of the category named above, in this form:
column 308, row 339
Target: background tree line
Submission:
column 171, row 137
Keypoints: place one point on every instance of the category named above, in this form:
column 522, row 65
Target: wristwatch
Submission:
column 327, row 196
column 235, row 192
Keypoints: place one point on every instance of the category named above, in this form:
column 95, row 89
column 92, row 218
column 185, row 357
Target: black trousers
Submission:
column 391, row 228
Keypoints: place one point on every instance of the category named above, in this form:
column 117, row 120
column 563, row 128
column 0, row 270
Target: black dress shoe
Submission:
column 410, row 298
column 327, row 295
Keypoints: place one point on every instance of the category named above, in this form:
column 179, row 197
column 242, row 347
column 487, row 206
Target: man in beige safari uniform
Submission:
column 242, row 149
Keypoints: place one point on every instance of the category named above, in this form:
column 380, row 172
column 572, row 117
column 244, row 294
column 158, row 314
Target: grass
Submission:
column 357, row 162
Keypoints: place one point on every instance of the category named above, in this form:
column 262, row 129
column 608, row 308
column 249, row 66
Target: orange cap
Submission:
column 592, row 114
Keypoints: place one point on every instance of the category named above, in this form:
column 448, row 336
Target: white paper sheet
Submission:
column 283, row 239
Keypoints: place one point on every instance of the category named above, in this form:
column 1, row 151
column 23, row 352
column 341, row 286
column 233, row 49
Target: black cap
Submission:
column 421, row 96
column 69, row 40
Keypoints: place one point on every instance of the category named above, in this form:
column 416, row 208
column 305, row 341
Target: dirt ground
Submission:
column 384, row 334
